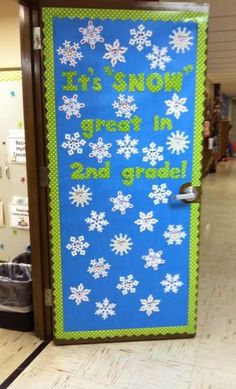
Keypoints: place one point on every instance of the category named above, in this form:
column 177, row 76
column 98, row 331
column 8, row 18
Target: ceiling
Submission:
column 222, row 44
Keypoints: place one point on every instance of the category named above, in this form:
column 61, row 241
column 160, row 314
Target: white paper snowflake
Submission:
column 158, row 57
column 105, row 309
column 153, row 153
column 73, row 143
column 79, row 294
column 149, row 305
column 91, row 35
column 176, row 106
column 127, row 146
column 127, row 284
column 174, row 234
column 159, row 194
column 177, row 142
column 121, row 244
column 97, row 221
column 153, row 259
column 70, row 53
column 115, row 52
column 146, row 221
column 99, row 268
column 172, row 283
column 77, row 245
column 181, row 40
column 71, row 106
column 100, row 150
column 121, row 202
column 80, row 195
column 140, row 37
column 125, row 106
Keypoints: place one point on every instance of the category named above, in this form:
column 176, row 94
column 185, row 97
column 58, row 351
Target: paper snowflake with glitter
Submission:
column 121, row 203
column 69, row 53
column 140, row 37
column 153, row 153
column 177, row 142
column 91, row 35
column 115, row 52
column 105, row 309
column 176, row 106
column 149, row 305
column 146, row 221
column 158, row 57
column 121, row 244
column 79, row 294
column 127, row 284
column 181, row 40
column 100, row 150
column 172, row 283
column 80, row 195
column 174, row 234
column 125, row 106
column 159, row 194
column 99, row 268
column 153, row 259
column 96, row 221
column 71, row 106
column 77, row 245
column 73, row 143
column 127, row 146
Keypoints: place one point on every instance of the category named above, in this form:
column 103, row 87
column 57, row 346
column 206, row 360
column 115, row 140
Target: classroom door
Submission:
column 124, row 109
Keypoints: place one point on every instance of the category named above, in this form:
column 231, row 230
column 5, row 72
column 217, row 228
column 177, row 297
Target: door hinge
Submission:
column 48, row 297
column 43, row 176
column 37, row 38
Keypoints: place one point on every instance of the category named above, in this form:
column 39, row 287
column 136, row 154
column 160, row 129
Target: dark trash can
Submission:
column 16, row 311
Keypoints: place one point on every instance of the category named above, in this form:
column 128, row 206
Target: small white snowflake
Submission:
column 127, row 284
column 70, row 53
column 124, row 106
column 121, row 202
column 153, row 153
column 146, row 221
column 96, row 221
column 153, row 259
column 80, row 195
column 77, row 245
column 174, row 234
column 177, row 142
column 158, row 57
column 127, row 146
column 140, row 37
column 73, row 143
column 91, row 35
column 105, row 309
column 176, row 106
column 159, row 194
column 121, row 244
column 99, row 268
column 171, row 283
column 149, row 305
column 79, row 294
column 181, row 40
column 115, row 52
column 71, row 106
column 100, row 150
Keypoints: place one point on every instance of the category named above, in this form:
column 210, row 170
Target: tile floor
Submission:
column 205, row 362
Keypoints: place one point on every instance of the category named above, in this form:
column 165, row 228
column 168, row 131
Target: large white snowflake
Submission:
column 100, row 150
column 73, row 143
column 149, row 305
column 77, row 245
column 69, row 53
column 181, row 40
column 159, row 194
column 140, row 37
column 153, row 259
column 80, row 195
column 97, row 221
column 79, row 294
column 171, row 283
column 125, row 106
column 176, row 106
column 115, row 52
column 146, row 221
column 174, row 234
column 177, row 142
column 99, row 268
column 121, row 244
column 121, row 202
column 158, row 57
column 127, row 146
column 71, row 106
column 91, row 35
column 153, row 153
column 127, row 284
column 105, row 309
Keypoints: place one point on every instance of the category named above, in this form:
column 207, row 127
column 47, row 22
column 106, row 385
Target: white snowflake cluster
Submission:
column 105, row 309
column 140, row 37
column 115, row 52
column 159, row 194
column 70, row 53
column 174, row 234
column 77, row 245
column 158, row 57
column 127, row 146
column 80, row 195
column 73, row 143
column 121, row 203
column 79, row 294
column 127, row 284
column 100, row 150
column 146, row 221
column 121, row 244
column 177, row 142
column 125, row 106
column 153, row 153
column 176, row 106
column 71, row 106
column 91, row 35
column 149, row 305
column 181, row 40
column 172, row 283
column 99, row 268
column 96, row 221
column 153, row 259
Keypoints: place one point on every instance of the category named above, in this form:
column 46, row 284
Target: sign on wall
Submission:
column 16, row 147
column 125, row 92
column 19, row 213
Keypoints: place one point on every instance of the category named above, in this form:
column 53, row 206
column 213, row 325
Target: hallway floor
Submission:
column 207, row 361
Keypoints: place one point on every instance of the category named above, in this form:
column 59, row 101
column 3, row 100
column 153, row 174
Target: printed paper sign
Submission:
column 16, row 147
column 19, row 216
